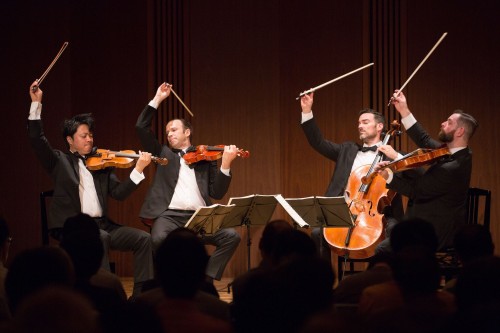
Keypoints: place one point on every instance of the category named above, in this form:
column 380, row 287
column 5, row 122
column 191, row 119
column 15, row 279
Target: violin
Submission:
column 209, row 153
column 104, row 158
column 415, row 159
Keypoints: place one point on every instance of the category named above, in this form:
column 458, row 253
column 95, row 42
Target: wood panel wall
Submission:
column 239, row 66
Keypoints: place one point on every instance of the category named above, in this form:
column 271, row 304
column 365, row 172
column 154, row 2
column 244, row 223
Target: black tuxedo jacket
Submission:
column 439, row 194
column 344, row 155
column 212, row 183
column 63, row 169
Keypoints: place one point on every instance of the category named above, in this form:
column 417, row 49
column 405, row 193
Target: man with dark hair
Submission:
column 79, row 190
column 349, row 156
column 179, row 189
column 438, row 195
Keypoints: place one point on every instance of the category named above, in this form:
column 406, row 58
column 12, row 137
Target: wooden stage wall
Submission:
column 239, row 66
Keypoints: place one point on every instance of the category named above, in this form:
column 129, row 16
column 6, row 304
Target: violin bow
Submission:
column 331, row 81
column 180, row 100
column 39, row 81
column 418, row 67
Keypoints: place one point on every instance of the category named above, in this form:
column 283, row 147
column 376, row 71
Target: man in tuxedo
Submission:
column 439, row 194
column 179, row 189
column 349, row 156
column 79, row 190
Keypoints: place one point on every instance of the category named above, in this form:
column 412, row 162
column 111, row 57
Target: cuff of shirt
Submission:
column 306, row 117
column 154, row 104
column 390, row 177
column 136, row 176
column 35, row 111
column 408, row 121
column 227, row 172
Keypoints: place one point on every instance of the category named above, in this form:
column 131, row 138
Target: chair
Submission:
column 477, row 199
column 473, row 205
column 344, row 261
column 43, row 214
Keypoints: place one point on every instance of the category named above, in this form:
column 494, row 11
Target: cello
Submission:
column 365, row 202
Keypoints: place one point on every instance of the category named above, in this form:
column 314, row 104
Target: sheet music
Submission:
column 293, row 214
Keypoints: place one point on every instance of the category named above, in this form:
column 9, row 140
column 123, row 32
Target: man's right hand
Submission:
column 399, row 102
column 36, row 95
column 306, row 102
column 162, row 92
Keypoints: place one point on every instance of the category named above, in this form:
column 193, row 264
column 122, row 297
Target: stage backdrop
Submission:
column 239, row 66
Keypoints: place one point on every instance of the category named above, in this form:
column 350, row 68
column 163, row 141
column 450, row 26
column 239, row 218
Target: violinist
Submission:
column 179, row 189
column 439, row 194
column 349, row 156
column 78, row 190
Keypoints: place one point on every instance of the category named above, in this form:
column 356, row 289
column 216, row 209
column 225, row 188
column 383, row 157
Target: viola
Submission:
column 209, row 153
column 415, row 159
column 104, row 158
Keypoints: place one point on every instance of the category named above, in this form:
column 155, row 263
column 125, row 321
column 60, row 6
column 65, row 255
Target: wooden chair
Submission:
column 474, row 204
column 44, row 196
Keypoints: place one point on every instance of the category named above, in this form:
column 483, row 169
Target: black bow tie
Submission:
column 365, row 149
column 93, row 152
column 181, row 152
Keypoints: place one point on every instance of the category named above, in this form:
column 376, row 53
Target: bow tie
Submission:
column 93, row 152
column 181, row 152
column 372, row 148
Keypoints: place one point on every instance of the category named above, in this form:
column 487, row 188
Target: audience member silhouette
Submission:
column 478, row 297
column 181, row 262
column 81, row 240
column 412, row 302
column 34, row 269
column 349, row 289
column 5, row 240
column 132, row 317
column 292, row 284
column 56, row 309
column 271, row 241
column 471, row 242
column 89, row 229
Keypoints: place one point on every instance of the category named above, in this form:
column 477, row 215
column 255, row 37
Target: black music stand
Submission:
column 323, row 212
column 257, row 210
column 252, row 210
column 207, row 220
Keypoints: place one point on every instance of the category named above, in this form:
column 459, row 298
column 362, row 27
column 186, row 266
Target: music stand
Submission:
column 323, row 212
column 207, row 220
column 252, row 210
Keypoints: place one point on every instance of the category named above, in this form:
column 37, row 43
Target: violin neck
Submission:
column 120, row 154
column 158, row 160
column 214, row 148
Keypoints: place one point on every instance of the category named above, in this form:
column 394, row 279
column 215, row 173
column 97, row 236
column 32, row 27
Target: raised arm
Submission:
column 143, row 125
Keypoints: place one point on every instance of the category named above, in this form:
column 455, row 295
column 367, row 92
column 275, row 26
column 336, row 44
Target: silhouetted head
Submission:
column 81, row 240
column 181, row 261
column 473, row 241
column 35, row 269
column 413, row 232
